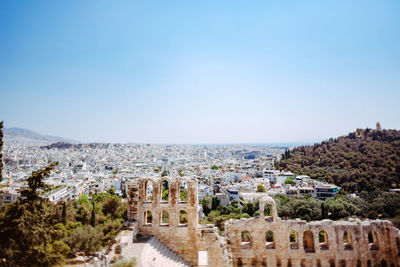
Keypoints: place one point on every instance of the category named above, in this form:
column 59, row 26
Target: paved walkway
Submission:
column 156, row 254
column 133, row 249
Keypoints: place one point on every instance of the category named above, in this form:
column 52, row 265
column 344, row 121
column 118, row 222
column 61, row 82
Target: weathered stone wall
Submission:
column 186, row 239
column 345, row 244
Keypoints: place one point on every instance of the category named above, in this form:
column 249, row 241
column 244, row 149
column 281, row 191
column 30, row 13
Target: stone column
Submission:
column 301, row 245
column 316, row 242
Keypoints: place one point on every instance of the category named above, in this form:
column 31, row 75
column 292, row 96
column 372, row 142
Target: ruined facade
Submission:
column 173, row 218
column 168, row 209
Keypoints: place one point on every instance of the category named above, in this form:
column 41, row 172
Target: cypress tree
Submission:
column 26, row 227
column 324, row 211
column 64, row 213
column 35, row 182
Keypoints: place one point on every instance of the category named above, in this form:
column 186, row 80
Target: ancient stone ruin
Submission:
column 167, row 208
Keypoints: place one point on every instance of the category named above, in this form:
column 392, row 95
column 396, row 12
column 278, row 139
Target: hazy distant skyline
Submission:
column 205, row 72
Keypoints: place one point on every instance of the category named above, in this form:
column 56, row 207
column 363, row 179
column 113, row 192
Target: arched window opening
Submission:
column 182, row 191
column 264, row 262
column 148, row 217
column 318, row 263
column 164, row 217
column 182, row 217
column 164, row 191
column 323, row 240
column 149, row 191
column 342, row 263
column 245, row 235
column 289, row 263
column 331, row 263
column 269, row 240
column 369, row 263
column 347, row 241
column 383, row 263
column 268, row 209
column 293, row 238
column 373, row 240
column 308, row 241
column 278, row 262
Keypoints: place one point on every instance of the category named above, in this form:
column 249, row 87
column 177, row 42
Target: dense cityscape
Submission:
column 107, row 198
column 229, row 172
column 200, row 133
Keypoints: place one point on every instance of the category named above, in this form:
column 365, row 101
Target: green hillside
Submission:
column 365, row 160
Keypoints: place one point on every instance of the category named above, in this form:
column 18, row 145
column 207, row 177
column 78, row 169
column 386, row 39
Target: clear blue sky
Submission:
column 199, row 71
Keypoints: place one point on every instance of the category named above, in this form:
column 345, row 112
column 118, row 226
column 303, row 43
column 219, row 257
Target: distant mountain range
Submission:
column 28, row 136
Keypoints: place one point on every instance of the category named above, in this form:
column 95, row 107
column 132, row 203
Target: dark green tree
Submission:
column 93, row 217
column 205, row 203
column 84, row 238
column 260, row 188
column 112, row 206
column 289, row 181
column 111, row 191
column 215, row 203
column 324, row 213
column 250, row 207
column 36, row 184
column 28, row 227
column 64, row 213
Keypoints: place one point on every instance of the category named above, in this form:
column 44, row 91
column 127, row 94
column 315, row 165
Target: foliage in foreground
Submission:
column 39, row 233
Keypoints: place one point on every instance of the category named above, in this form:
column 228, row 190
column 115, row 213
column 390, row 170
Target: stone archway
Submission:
column 268, row 200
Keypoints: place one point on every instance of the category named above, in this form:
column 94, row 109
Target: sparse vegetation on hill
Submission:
column 65, row 145
column 59, row 145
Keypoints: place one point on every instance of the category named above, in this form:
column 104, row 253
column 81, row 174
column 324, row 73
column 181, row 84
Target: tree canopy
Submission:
column 40, row 233
column 260, row 188
column 365, row 160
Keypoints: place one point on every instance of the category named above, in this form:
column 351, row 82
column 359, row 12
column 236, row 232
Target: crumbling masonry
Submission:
column 172, row 217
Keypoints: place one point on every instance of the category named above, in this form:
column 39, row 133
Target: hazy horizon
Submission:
column 277, row 144
column 199, row 73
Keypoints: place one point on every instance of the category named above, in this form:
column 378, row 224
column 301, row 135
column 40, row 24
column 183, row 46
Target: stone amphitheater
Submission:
column 263, row 241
